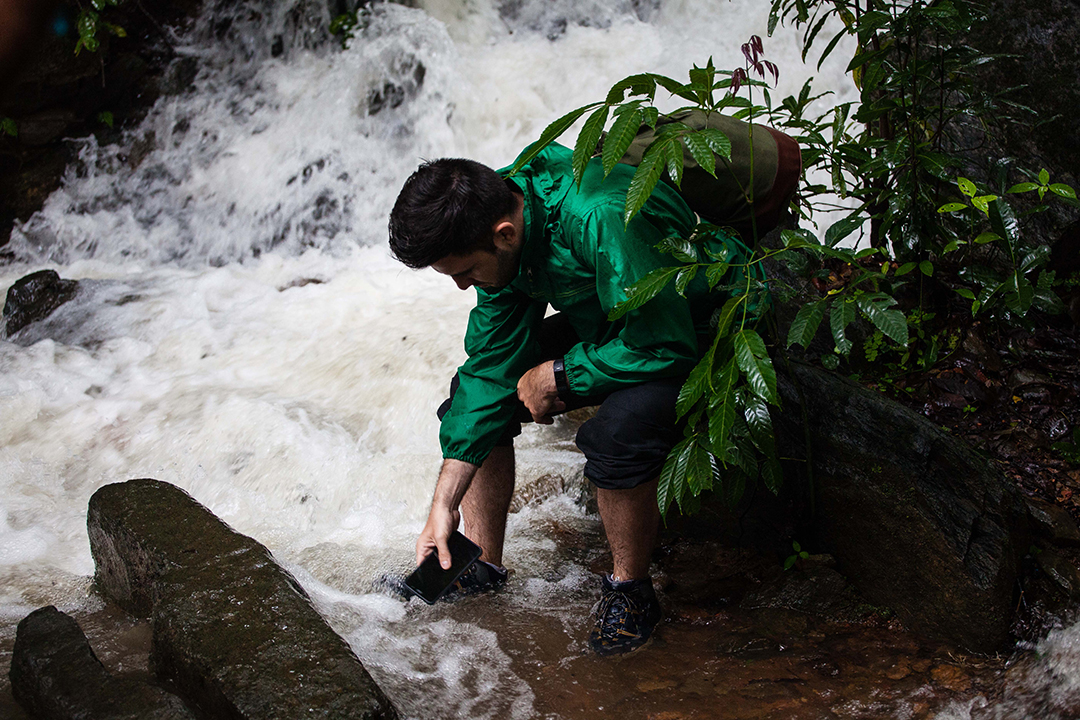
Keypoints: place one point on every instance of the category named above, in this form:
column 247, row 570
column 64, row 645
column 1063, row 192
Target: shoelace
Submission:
column 623, row 606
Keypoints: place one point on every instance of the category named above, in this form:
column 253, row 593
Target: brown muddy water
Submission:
column 710, row 657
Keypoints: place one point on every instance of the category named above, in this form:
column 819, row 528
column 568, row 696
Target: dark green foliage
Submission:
column 90, row 23
column 892, row 158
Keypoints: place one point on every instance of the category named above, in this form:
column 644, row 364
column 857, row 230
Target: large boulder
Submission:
column 232, row 631
column 56, row 676
column 915, row 518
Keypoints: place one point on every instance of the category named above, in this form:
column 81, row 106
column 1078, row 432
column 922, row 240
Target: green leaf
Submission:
column 905, row 269
column 587, row 140
column 890, row 322
column 642, row 84
column 1063, row 190
column 701, row 152
column 106, row 118
column 798, row 239
column 773, row 477
column 727, row 314
column 830, row 361
column 1044, row 177
column 983, row 201
column 643, row 291
column 643, row 182
column 965, row 293
column 674, row 161
column 716, row 272
column 806, row 322
column 840, row 316
column 986, row 237
column 966, row 186
column 619, row 138
column 926, row 268
column 1019, row 294
column 683, row 279
column 682, row 248
column 1023, row 187
column 1004, row 223
column 8, row 127
column 753, row 360
column 952, row 207
column 760, row 423
column 650, row 116
column 722, row 408
column 717, row 141
column 699, row 469
column 694, row 387
column 1038, row 256
column 673, row 475
column 841, row 229
column 551, row 132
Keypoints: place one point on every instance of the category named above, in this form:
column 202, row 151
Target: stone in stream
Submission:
column 232, row 631
column 34, row 297
column 56, row 676
column 916, row 519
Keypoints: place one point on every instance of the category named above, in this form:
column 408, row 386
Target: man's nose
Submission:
column 463, row 283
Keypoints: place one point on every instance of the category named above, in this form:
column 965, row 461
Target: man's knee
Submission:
column 627, row 441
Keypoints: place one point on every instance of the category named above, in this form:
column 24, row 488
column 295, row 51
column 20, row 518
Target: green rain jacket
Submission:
column 579, row 258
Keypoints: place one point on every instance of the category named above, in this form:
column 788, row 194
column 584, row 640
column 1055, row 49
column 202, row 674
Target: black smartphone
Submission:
column 429, row 581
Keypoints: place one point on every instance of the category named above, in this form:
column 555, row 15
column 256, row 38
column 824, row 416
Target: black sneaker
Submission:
column 625, row 617
column 479, row 577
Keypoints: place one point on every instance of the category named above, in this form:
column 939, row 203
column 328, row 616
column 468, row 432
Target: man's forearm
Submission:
column 454, row 480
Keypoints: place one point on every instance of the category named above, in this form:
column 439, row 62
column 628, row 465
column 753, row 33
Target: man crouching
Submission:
column 526, row 242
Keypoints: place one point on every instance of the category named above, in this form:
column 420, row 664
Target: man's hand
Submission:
column 454, row 480
column 433, row 538
column 537, row 390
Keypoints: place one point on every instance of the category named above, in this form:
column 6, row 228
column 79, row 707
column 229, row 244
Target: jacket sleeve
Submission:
column 502, row 346
column 654, row 341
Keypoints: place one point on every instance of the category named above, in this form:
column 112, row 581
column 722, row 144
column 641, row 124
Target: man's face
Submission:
column 488, row 269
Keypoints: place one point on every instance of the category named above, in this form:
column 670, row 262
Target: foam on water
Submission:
column 242, row 332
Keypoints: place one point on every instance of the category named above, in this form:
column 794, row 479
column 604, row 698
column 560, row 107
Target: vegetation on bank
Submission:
column 928, row 224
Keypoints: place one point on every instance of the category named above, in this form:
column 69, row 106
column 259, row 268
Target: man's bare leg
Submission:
column 485, row 505
column 631, row 521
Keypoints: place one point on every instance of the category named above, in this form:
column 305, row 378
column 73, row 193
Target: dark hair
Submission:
column 447, row 207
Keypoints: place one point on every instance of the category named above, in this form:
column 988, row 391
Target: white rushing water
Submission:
column 242, row 332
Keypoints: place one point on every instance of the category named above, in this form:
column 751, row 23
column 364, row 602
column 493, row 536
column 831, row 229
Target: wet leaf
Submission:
column 587, row 140
column 643, row 291
column 645, row 178
column 620, row 136
column 806, row 323
column 683, row 279
column 753, row 360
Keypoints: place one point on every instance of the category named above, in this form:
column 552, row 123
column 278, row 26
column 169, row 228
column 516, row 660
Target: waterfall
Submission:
column 242, row 332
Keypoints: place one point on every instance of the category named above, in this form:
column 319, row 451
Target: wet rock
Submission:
column 232, row 630
column 916, row 520
column 1053, row 523
column 817, row 590
column 34, row 297
column 56, row 676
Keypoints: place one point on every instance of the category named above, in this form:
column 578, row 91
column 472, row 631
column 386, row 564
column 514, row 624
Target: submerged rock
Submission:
column 916, row 519
column 34, row 297
column 56, row 676
column 232, row 631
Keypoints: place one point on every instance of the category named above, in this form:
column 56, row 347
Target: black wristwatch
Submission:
column 562, row 384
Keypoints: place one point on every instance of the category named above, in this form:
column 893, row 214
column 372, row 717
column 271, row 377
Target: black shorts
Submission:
column 627, row 441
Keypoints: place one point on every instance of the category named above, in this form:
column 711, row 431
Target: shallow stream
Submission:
column 242, row 332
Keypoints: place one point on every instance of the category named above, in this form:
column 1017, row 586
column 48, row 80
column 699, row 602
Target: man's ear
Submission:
column 506, row 235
